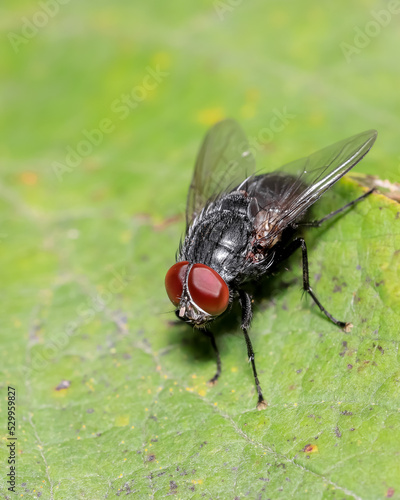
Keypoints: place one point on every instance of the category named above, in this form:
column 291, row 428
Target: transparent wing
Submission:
column 223, row 162
column 297, row 185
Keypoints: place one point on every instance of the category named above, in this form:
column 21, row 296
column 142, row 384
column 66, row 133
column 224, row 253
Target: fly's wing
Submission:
column 299, row 184
column 223, row 162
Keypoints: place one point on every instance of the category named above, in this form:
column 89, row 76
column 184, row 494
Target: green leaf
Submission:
column 112, row 394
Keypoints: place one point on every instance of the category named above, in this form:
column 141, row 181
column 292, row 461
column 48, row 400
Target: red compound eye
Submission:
column 174, row 281
column 208, row 290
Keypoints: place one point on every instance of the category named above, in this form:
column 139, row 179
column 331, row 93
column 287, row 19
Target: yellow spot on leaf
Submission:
column 28, row 178
column 162, row 59
column 125, row 237
column 252, row 95
column 59, row 394
column 248, row 110
column 210, row 116
column 121, row 420
column 310, row 448
column 316, row 118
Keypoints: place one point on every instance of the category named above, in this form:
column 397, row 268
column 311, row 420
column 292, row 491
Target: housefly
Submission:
column 240, row 225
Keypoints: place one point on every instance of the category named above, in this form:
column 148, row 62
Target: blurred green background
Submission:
column 104, row 106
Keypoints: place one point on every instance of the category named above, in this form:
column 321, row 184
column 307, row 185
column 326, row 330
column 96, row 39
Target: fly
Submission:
column 240, row 225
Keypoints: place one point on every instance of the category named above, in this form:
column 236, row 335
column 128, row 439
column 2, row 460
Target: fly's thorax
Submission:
column 219, row 237
column 235, row 202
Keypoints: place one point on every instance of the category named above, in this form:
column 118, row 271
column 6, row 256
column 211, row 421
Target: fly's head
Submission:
column 189, row 312
column 197, row 291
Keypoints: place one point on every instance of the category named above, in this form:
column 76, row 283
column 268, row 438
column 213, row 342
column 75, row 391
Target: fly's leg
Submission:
column 247, row 313
column 299, row 242
column 215, row 378
column 317, row 223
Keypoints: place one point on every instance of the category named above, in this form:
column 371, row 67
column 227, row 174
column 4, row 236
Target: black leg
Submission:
column 215, row 378
column 245, row 302
column 317, row 223
column 299, row 242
